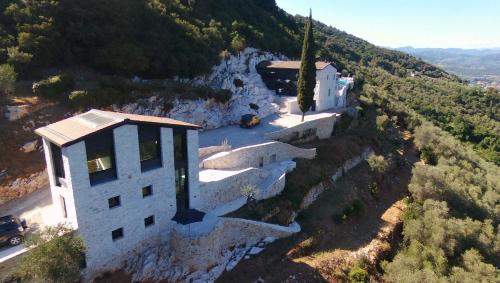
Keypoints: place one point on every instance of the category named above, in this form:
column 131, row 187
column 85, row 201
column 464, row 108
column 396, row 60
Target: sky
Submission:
column 417, row 23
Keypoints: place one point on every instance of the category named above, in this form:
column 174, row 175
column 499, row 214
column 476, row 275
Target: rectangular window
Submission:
column 273, row 158
column 261, row 161
column 63, row 207
column 114, row 202
column 57, row 162
column 101, row 158
column 117, row 234
column 180, row 167
column 147, row 191
column 149, row 147
column 148, row 221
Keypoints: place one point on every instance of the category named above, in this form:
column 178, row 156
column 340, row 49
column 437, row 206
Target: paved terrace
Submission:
column 238, row 137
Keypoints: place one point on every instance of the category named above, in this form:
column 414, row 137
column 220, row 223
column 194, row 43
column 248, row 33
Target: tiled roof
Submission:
column 320, row 65
column 76, row 128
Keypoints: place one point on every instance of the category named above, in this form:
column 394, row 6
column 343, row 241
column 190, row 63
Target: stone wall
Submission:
column 204, row 250
column 221, row 191
column 321, row 128
column 315, row 191
column 257, row 156
column 206, row 151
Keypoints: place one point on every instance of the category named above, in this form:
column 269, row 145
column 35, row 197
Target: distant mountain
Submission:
column 468, row 63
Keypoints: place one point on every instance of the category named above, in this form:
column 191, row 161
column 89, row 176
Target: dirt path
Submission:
column 325, row 248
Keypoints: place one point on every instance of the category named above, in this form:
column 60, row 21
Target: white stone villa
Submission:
column 330, row 91
column 126, row 182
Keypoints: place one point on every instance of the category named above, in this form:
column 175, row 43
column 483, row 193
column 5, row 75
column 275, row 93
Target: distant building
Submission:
column 282, row 76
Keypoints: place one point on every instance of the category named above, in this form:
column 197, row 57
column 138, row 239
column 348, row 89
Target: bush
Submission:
column 7, row 78
column 382, row 122
column 360, row 111
column 378, row 164
column 98, row 98
column 54, row 87
column 353, row 209
column 57, row 256
column 358, row 274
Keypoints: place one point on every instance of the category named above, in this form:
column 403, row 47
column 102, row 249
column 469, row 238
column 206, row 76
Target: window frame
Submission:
column 115, row 205
column 148, row 133
column 102, row 142
column 149, row 221
column 150, row 191
column 57, row 163
column 117, row 237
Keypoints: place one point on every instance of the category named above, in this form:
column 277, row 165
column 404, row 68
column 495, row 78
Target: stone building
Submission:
column 282, row 76
column 131, row 183
column 112, row 177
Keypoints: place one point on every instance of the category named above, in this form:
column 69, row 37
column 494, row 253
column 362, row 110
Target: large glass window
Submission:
column 101, row 158
column 57, row 162
column 149, row 147
column 180, row 165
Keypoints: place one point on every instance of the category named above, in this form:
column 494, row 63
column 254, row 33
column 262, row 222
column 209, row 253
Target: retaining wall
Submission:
column 201, row 251
column 257, row 156
column 321, row 128
column 315, row 191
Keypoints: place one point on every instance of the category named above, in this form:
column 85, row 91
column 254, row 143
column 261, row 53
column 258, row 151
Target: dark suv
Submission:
column 12, row 230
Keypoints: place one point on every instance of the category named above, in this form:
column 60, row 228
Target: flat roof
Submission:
column 79, row 127
column 295, row 65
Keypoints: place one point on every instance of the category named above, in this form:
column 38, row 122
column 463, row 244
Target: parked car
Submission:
column 12, row 230
column 249, row 121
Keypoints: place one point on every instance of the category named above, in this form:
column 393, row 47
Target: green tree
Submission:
column 57, row 256
column 307, row 73
column 7, row 79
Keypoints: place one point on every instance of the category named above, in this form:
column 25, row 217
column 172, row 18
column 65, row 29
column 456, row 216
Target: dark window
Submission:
column 180, row 165
column 57, row 162
column 147, row 191
column 117, row 234
column 148, row 221
column 114, row 202
column 101, row 158
column 149, row 147
column 261, row 161
column 63, row 206
column 273, row 158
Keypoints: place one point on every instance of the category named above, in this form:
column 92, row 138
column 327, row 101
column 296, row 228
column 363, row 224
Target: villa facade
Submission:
column 112, row 177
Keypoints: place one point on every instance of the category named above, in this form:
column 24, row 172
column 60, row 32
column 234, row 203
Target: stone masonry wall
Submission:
column 200, row 252
column 96, row 220
column 315, row 191
column 251, row 156
column 322, row 129
column 219, row 192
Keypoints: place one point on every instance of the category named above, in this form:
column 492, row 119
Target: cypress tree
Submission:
column 307, row 73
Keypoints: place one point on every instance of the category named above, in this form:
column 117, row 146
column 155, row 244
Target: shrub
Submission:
column 374, row 189
column 378, row 163
column 57, row 256
column 360, row 111
column 7, row 78
column 54, row 87
column 98, row 98
column 382, row 122
column 358, row 274
column 353, row 209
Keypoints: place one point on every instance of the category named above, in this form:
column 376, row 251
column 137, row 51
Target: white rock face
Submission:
column 210, row 114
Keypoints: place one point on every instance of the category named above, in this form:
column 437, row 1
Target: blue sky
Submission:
column 419, row 23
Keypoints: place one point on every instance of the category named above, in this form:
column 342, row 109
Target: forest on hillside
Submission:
column 451, row 224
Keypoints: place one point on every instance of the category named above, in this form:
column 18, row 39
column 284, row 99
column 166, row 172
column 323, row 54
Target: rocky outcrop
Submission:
column 250, row 94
